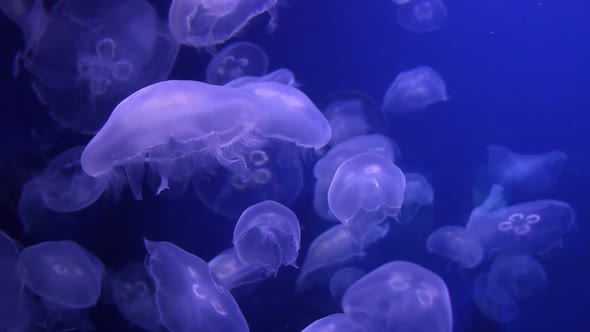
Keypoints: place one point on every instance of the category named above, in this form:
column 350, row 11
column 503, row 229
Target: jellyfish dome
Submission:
column 365, row 190
column 455, row 243
column 520, row 275
column 281, row 75
column 334, row 323
column 237, row 60
column 494, row 303
column 419, row 193
column 399, row 296
column 421, row 15
column 414, row 90
column 232, row 273
column 13, row 313
column 342, row 280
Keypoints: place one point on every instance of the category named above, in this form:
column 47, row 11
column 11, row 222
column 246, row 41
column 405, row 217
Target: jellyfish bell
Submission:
column 333, row 323
column 494, row 303
column 421, row 15
column 455, row 243
column 419, row 193
column 281, row 75
column 237, row 60
column 232, row 273
column 521, row 276
column 342, row 280
column 413, row 90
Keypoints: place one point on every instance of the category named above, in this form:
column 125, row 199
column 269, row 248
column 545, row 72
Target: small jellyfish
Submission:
column 455, row 243
column 494, row 303
column 63, row 273
column 187, row 293
column 521, row 173
column 232, row 273
column 414, row 90
column 334, row 323
column 421, row 15
column 365, row 190
column 418, row 193
column 520, row 275
column 267, row 235
column 237, row 60
column 342, row 280
column 281, row 75
column 399, row 296
column 13, row 313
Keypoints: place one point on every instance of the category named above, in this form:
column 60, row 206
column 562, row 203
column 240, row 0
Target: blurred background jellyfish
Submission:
column 237, row 60
column 342, row 280
column 399, row 296
column 267, row 235
column 366, row 189
column 13, row 312
column 414, row 90
column 187, row 293
column 232, row 273
column 205, row 23
column 421, row 15
column 521, row 173
column 454, row 243
column 333, row 323
column 494, row 303
column 281, row 75
column 419, row 193
column 521, row 276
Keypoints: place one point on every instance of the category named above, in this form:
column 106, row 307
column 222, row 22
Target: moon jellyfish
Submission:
column 332, row 250
column 232, row 273
column 525, row 173
column 366, row 189
column 418, row 193
column 494, row 303
column 413, row 90
column 342, row 280
column 399, row 296
column 267, row 235
column 320, row 199
column 204, row 23
column 237, row 60
column 281, row 75
column 455, row 243
column 422, row 15
column 63, row 273
column 521, row 276
column 527, row 228
column 13, row 314
column 334, row 323
column 276, row 175
column 187, row 293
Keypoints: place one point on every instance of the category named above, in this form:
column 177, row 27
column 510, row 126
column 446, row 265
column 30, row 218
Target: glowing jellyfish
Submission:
column 527, row 228
column 334, row 323
column 237, row 60
column 62, row 272
column 267, row 235
column 320, row 199
column 204, row 23
column 525, row 173
column 455, row 243
column 232, row 273
column 422, row 15
column 365, row 190
column 187, row 293
column 399, row 296
column 281, row 75
column 342, row 280
column 332, row 250
column 277, row 174
column 13, row 314
column 520, row 275
column 419, row 193
column 414, row 90
column 494, row 303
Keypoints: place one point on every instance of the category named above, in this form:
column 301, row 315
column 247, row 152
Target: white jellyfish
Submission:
column 413, row 90
column 454, row 243
column 237, row 60
column 421, row 15
column 419, row 193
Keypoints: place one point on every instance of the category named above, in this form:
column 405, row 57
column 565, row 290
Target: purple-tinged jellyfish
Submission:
column 267, row 235
column 13, row 312
column 419, row 193
column 454, row 243
column 366, row 189
column 399, row 296
column 494, row 303
column 521, row 276
column 422, row 15
column 232, row 273
column 414, row 90
column 334, row 323
column 281, row 75
column 188, row 295
column 237, row 60
column 342, row 280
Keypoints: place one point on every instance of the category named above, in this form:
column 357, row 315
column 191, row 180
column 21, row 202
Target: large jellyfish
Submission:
column 237, row 60
column 418, row 193
column 342, row 280
column 13, row 314
column 63, row 273
column 399, row 296
column 365, row 190
column 187, row 293
column 232, row 273
column 455, row 243
column 520, row 275
column 527, row 228
column 525, row 173
column 494, row 303
column 281, row 75
column 204, row 23
column 334, row 323
column 267, row 235
column 422, row 15
column 413, row 90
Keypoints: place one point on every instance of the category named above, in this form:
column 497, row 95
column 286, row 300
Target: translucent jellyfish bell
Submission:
column 421, row 15
column 520, row 275
column 187, row 293
column 232, row 273
column 419, row 193
column 455, row 243
column 334, row 323
column 13, row 313
column 62, row 272
column 365, row 190
column 267, row 235
column 342, row 280
column 281, row 75
column 399, row 296
column 413, row 90
column 494, row 303
column 237, row 60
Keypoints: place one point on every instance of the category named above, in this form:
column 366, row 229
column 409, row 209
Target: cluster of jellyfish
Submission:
column 241, row 141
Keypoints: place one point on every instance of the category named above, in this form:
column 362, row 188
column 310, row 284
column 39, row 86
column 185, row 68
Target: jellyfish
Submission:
column 399, row 296
column 400, row 2
column 494, row 303
column 530, row 228
column 281, row 75
column 13, row 313
column 418, row 193
column 188, row 295
column 342, row 280
column 237, row 60
column 205, row 23
column 455, row 243
column 276, row 175
column 232, row 273
column 520, row 275
column 414, row 90
column 521, row 173
column 421, row 15
column 332, row 250
column 365, row 190
column 63, row 273
column 334, row 323
column 267, row 235
column 320, row 200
